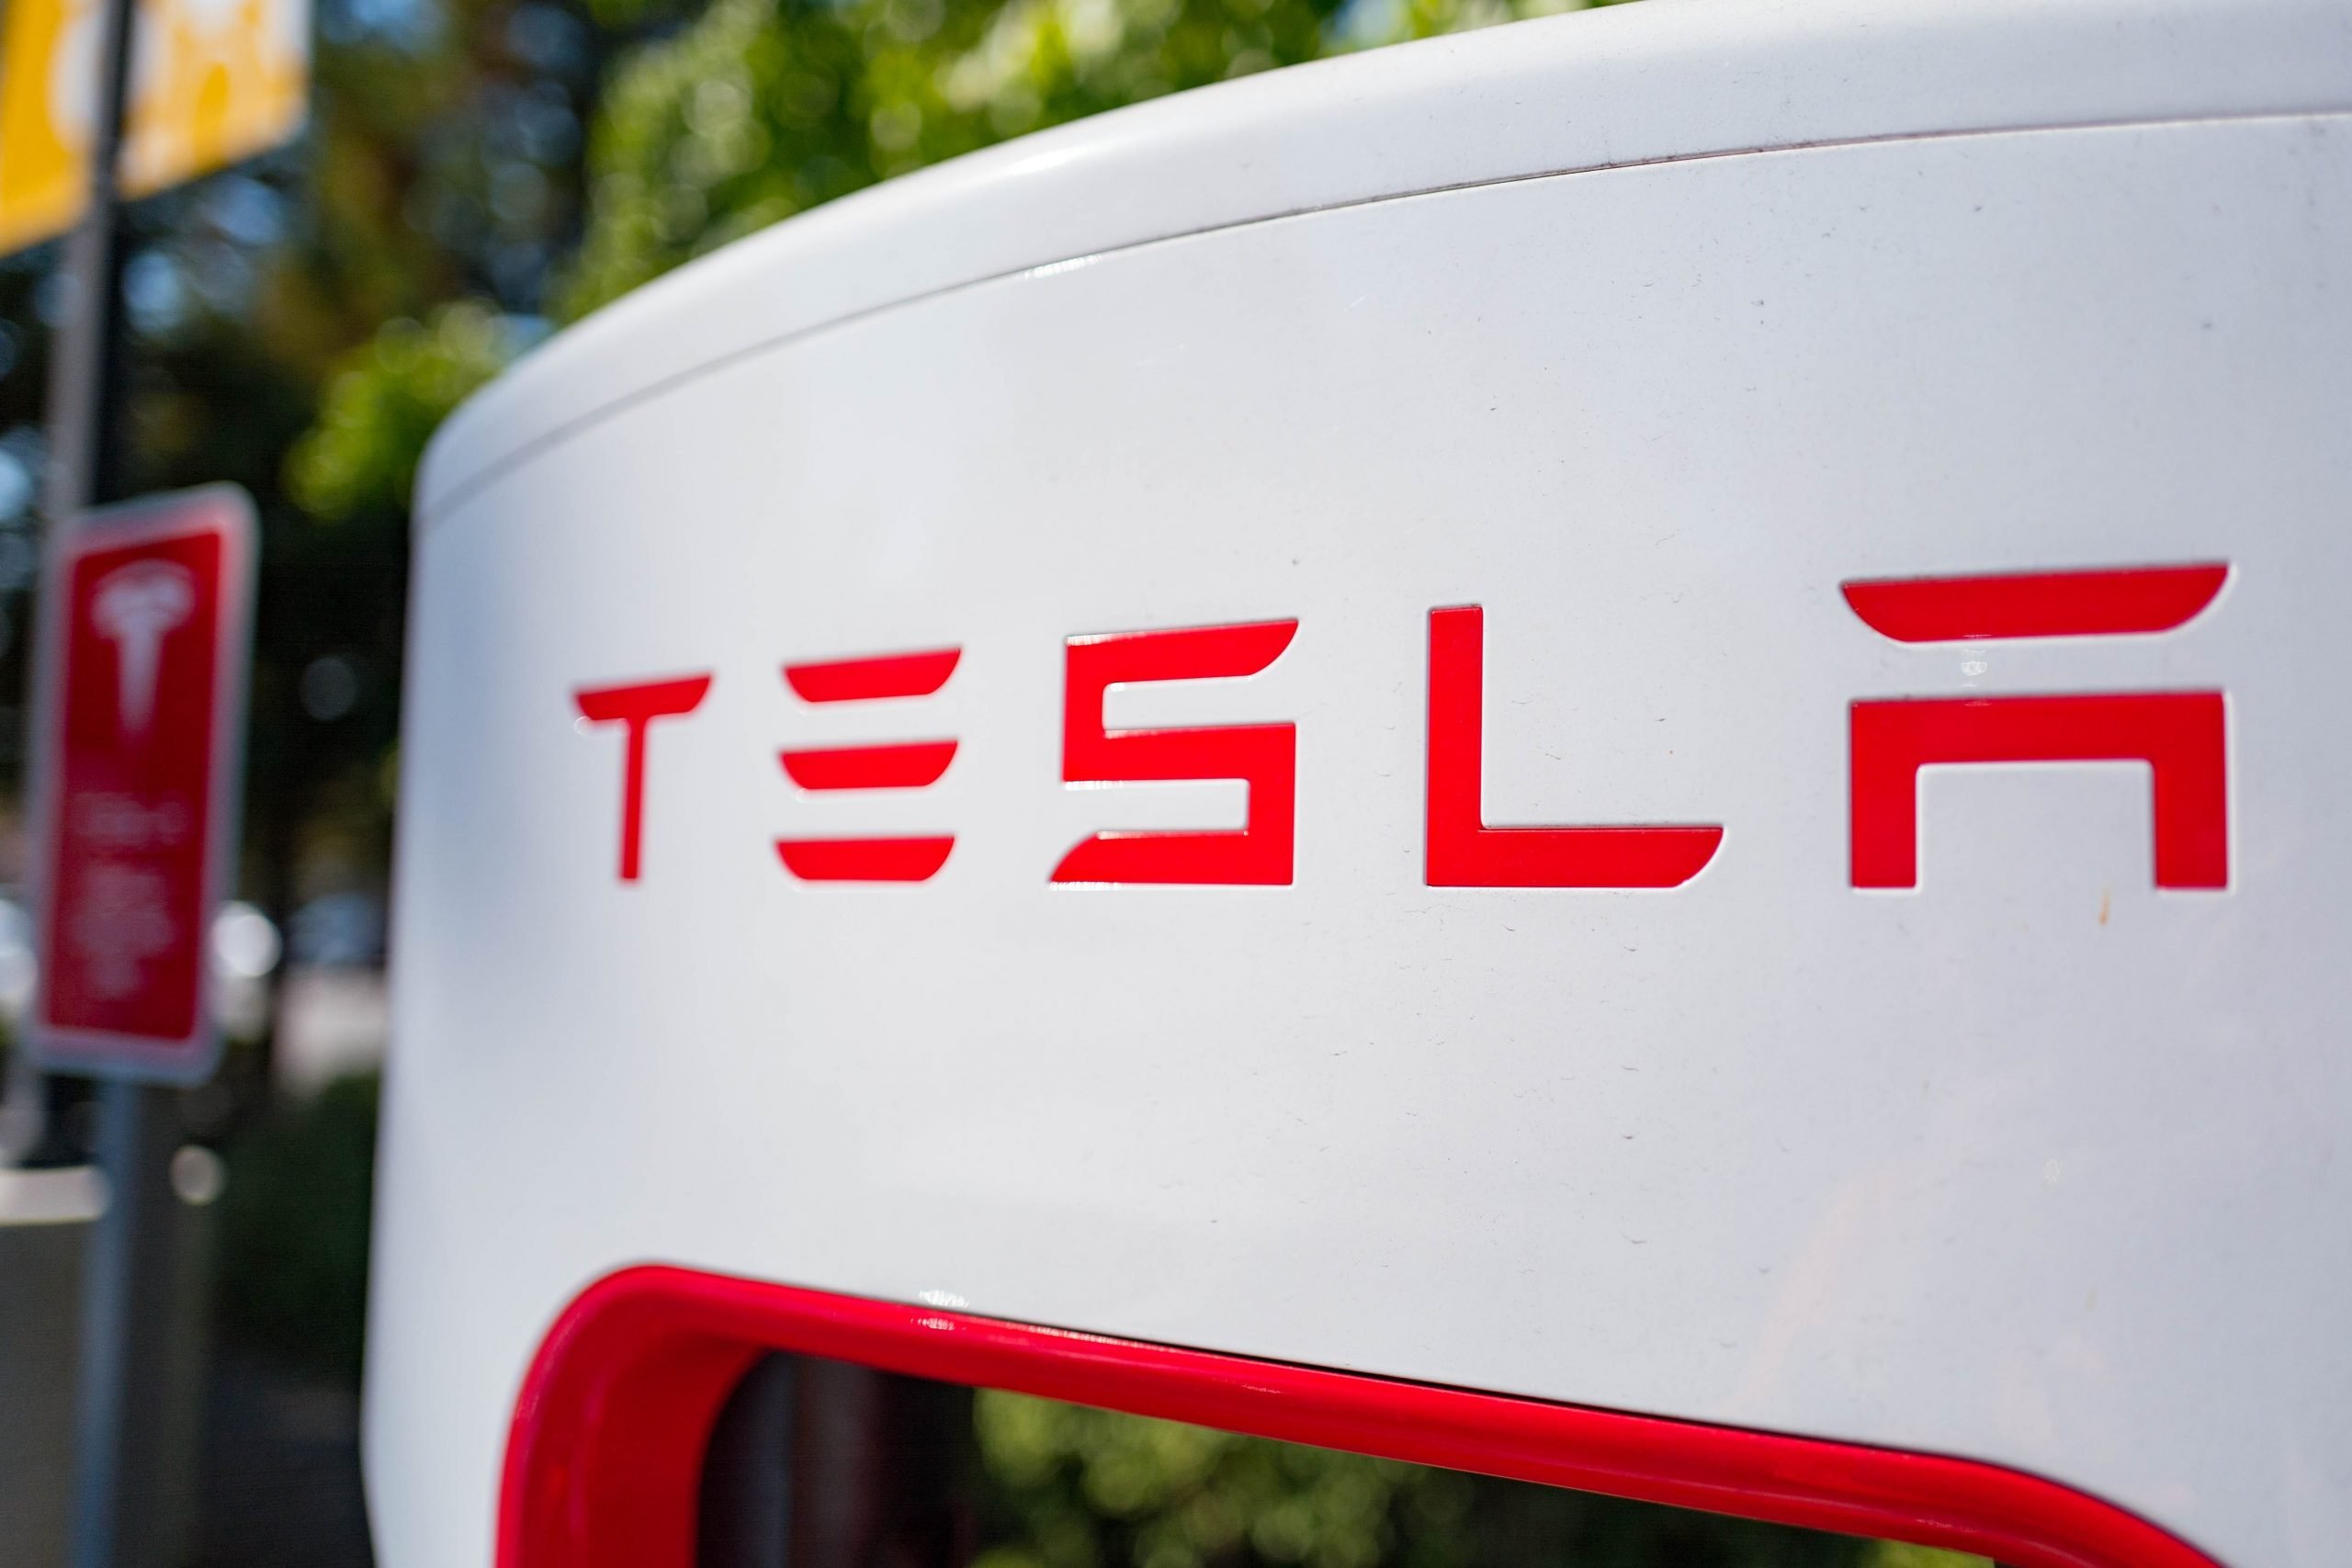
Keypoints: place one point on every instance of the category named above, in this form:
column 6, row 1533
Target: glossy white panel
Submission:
column 2036, row 1165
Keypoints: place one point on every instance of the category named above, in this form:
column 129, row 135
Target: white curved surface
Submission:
column 2036, row 1165
column 1677, row 79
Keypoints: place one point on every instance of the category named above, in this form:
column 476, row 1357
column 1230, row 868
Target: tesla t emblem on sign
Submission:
column 141, row 692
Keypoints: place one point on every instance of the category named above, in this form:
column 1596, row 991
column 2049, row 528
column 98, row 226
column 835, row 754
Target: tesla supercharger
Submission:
column 1613, row 751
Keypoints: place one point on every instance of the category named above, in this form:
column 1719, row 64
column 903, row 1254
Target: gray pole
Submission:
column 80, row 363
column 116, row 1504
column 120, row 1514
column 82, row 353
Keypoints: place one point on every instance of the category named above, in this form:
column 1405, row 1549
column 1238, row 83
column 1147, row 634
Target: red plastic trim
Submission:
column 605, row 1451
column 2040, row 604
column 865, row 680
column 911, row 765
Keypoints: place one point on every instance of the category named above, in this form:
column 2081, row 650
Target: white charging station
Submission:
column 1639, row 713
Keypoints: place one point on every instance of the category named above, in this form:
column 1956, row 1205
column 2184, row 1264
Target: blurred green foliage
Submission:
column 1081, row 1488
column 760, row 109
column 292, row 1281
column 1089, row 1488
column 384, row 403
column 754, row 110
column 1895, row 1555
column 437, row 184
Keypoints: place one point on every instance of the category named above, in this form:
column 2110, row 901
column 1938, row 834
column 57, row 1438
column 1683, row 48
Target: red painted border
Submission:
column 605, row 1456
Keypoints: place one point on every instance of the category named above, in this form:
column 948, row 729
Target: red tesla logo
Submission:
column 2182, row 736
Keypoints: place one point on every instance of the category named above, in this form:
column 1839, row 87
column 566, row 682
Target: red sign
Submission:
column 146, row 630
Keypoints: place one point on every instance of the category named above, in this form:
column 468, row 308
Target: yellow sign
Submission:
column 211, row 81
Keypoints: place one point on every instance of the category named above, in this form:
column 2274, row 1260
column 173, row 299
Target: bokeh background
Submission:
column 476, row 175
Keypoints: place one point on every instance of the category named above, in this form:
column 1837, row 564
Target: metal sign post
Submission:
column 129, row 1114
column 136, row 835
column 146, row 622
column 117, row 1499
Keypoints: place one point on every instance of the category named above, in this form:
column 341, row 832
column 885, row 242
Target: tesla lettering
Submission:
column 2180, row 737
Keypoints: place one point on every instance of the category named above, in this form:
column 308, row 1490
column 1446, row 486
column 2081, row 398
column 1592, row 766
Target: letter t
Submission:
column 638, row 705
